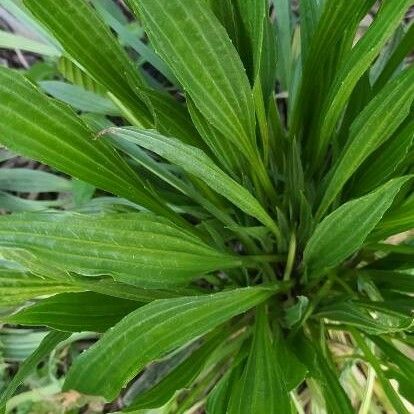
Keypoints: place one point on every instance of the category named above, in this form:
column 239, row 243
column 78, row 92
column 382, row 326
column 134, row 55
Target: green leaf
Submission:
column 376, row 318
column 404, row 48
column 32, row 181
column 46, row 347
column 44, row 269
column 138, row 249
column 131, row 40
column 356, row 64
column 255, row 14
column 218, row 399
column 402, row 361
column 262, row 386
column 374, row 126
column 320, row 368
column 333, row 37
column 396, row 221
column 75, row 312
column 79, row 98
column 180, row 377
column 351, row 224
column 310, row 11
column 224, row 151
column 151, row 332
column 71, row 71
column 391, row 280
column 90, row 43
column 284, row 40
column 13, row 203
column 294, row 370
column 389, row 390
column 41, row 128
column 384, row 162
column 197, row 163
column 16, row 287
column 17, row 9
column 207, row 65
column 14, row 41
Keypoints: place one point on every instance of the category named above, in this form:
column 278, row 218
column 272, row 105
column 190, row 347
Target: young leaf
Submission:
column 384, row 162
column 262, row 386
column 133, row 41
column 75, row 312
column 401, row 51
column 155, row 329
column 13, row 41
column 16, row 204
column 356, row 64
column 25, row 180
column 333, row 37
column 79, row 98
column 137, row 249
column 375, row 125
column 351, row 224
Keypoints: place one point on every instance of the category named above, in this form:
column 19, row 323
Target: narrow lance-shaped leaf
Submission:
column 132, row 40
column 375, row 125
column 356, row 64
column 196, row 162
column 36, row 181
column 284, row 40
column 401, row 51
column 74, row 312
column 138, row 249
column 49, row 273
column 396, row 221
column 334, row 33
column 320, row 369
column 12, row 203
column 89, row 42
column 350, row 224
column 389, row 390
column 152, row 331
column 376, row 318
column 80, row 98
column 384, row 162
column 390, row 280
column 262, row 386
column 13, row 41
column 206, row 64
column 179, row 378
column 43, row 129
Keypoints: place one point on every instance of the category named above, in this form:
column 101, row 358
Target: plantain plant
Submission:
column 238, row 225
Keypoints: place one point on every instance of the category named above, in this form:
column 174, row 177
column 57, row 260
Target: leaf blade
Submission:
column 166, row 323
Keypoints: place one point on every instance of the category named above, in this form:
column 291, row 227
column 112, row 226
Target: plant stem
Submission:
column 290, row 257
